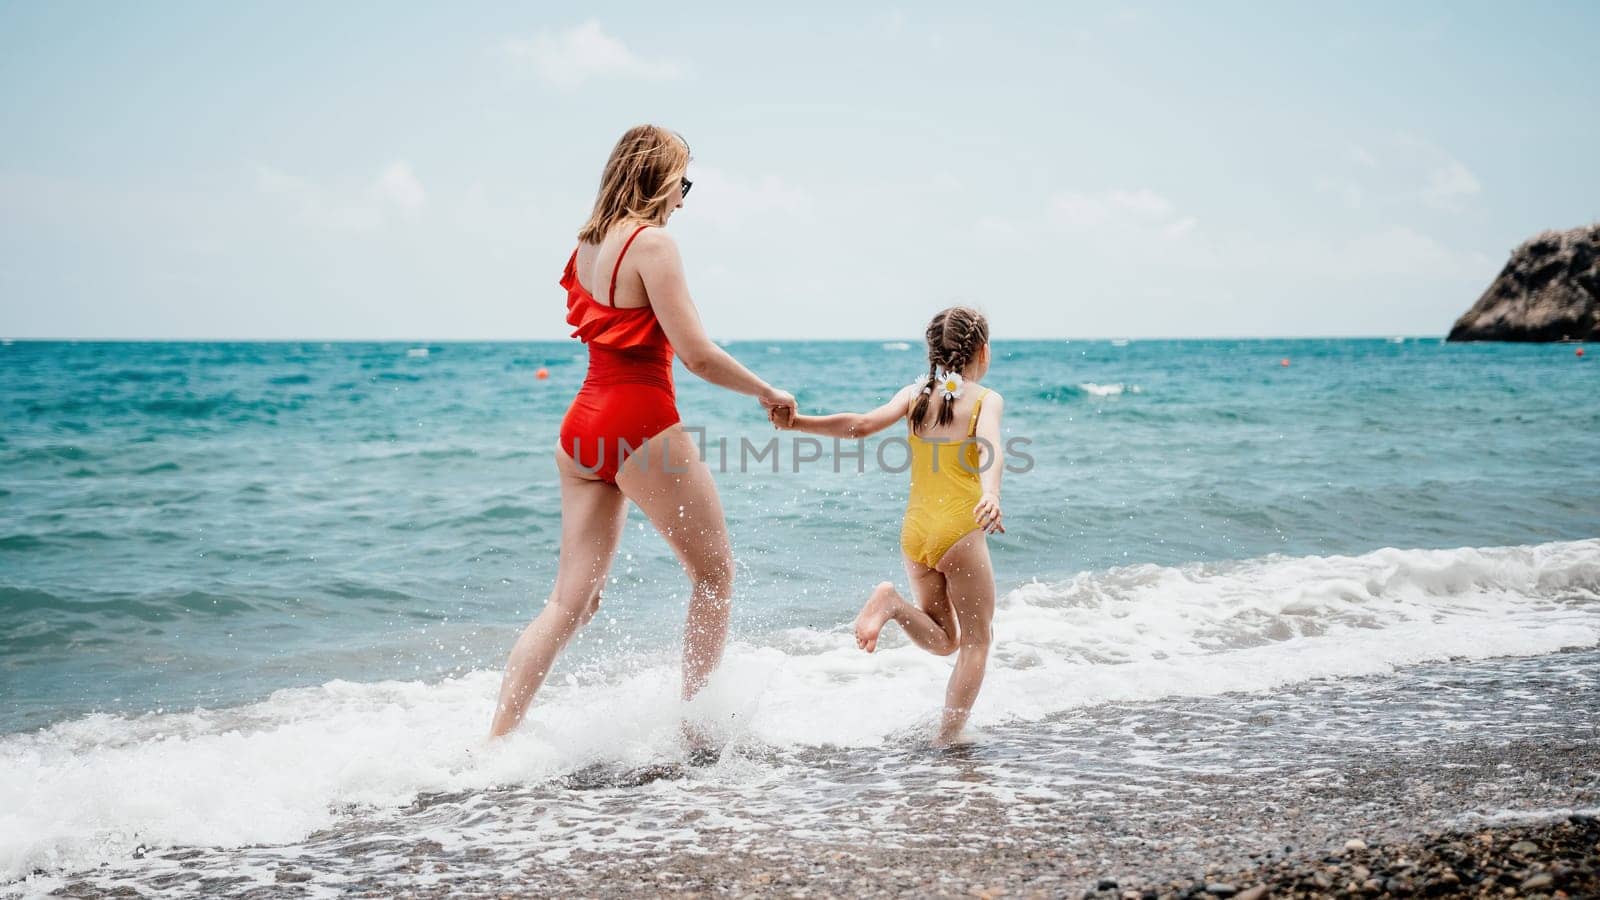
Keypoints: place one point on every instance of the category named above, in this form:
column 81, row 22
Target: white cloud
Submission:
column 1179, row 227
column 1385, row 252
column 1396, row 250
column 1128, row 17
column 1138, row 209
column 1449, row 184
column 313, row 205
column 730, row 201
column 996, row 228
column 896, row 26
column 394, row 189
column 567, row 59
column 398, row 185
column 1111, row 227
column 1112, row 222
column 1349, row 191
column 1413, row 172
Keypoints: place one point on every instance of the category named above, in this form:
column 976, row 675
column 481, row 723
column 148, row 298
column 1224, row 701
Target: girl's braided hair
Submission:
column 954, row 338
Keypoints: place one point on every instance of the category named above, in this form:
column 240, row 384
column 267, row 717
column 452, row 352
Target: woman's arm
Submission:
column 854, row 425
column 661, row 267
column 990, row 465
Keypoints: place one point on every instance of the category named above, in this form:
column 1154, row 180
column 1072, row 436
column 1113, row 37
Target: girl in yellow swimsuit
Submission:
column 953, row 429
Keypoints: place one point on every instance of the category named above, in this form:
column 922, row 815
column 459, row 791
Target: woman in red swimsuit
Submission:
column 621, row 439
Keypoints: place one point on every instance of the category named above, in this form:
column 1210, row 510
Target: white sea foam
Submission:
column 417, row 352
column 92, row 789
column 1108, row 390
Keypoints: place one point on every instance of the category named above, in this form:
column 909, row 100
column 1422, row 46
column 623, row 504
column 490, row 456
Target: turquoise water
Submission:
column 255, row 598
column 200, row 524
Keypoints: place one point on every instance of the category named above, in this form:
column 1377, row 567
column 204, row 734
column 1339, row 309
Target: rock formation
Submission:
column 1548, row 291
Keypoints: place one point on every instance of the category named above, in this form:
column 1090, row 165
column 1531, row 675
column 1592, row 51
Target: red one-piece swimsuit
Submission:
column 627, row 396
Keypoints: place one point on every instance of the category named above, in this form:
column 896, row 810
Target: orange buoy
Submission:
column 1284, row 362
column 542, row 374
column 1580, row 351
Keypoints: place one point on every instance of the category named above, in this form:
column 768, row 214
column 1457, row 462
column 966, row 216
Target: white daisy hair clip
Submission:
column 950, row 384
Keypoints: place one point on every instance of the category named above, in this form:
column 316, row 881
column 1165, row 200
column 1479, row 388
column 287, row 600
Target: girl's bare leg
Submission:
column 592, row 514
column 970, row 580
column 669, row 481
column 931, row 625
column 933, row 596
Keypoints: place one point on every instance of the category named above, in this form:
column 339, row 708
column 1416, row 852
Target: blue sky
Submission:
column 417, row 171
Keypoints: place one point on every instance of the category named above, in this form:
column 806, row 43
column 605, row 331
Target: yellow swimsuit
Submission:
column 943, row 493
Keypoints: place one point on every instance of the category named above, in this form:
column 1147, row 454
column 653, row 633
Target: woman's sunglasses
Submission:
column 686, row 185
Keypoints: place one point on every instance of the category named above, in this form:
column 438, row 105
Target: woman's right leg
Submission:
column 669, row 481
column 592, row 515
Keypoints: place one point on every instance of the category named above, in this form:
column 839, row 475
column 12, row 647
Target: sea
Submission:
column 255, row 599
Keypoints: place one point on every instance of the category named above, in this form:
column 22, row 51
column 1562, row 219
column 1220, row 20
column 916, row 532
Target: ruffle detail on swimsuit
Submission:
column 595, row 323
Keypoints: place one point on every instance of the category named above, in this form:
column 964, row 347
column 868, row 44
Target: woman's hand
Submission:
column 779, row 405
column 987, row 513
column 783, row 418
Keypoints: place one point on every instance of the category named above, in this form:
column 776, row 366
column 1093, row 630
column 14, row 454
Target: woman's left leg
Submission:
column 592, row 515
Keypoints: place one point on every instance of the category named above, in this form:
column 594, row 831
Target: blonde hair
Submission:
column 954, row 338
column 640, row 181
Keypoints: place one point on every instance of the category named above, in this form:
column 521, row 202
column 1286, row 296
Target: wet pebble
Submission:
column 1541, row 881
column 1490, row 863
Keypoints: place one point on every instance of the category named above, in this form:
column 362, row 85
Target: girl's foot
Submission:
column 877, row 611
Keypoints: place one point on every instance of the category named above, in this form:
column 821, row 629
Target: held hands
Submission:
column 987, row 513
column 781, row 417
column 780, row 406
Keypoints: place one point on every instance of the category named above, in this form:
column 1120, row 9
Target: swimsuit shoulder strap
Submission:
column 612, row 297
column 972, row 427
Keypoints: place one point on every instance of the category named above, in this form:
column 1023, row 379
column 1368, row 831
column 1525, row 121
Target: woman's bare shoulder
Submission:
column 655, row 239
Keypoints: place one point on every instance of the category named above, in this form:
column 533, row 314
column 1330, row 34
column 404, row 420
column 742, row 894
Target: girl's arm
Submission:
column 854, row 425
column 661, row 267
column 990, row 465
